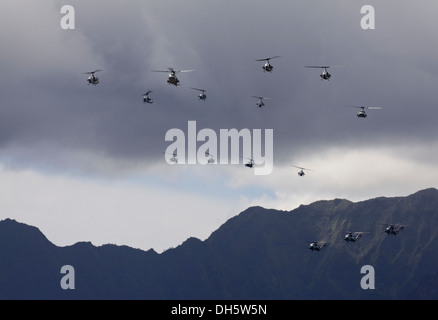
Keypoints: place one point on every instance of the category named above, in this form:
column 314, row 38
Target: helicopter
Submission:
column 325, row 75
column 146, row 98
column 316, row 246
column 202, row 95
column 394, row 229
column 92, row 79
column 172, row 78
column 260, row 103
column 174, row 157
column 362, row 113
column 250, row 163
column 301, row 172
column 267, row 66
column 353, row 236
column 211, row 157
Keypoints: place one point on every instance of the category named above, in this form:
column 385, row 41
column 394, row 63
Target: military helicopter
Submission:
column 174, row 157
column 362, row 113
column 316, row 246
column 260, row 103
column 250, row 163
column 325, row 75
column 301, row 172
column 211, row 157
column 146, row 98
column 202, row 95
column 92, row 79
column 353, row 236
column 267, row 66
column 394, row 229
column 172, row 78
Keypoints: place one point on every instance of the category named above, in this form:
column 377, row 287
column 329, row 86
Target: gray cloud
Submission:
column 47, row 105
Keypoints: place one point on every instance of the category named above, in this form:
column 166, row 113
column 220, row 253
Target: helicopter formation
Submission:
column 352, row 237
column 172, row 79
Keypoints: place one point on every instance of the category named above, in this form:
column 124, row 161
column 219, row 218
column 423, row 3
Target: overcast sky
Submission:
column 86, row 163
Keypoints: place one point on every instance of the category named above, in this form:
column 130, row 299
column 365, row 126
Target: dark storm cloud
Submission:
column 51, row 113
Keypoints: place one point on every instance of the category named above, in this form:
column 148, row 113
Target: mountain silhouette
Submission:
column 260, row 254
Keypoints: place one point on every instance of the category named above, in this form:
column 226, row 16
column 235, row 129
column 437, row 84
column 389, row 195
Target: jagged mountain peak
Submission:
column 22, row 233
column 258, row 254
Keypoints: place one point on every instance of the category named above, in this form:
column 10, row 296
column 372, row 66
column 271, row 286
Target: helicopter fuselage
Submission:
column 93, row 80
column 325, row 75
column 268, row 67
column 173, row 80
column 362, row 113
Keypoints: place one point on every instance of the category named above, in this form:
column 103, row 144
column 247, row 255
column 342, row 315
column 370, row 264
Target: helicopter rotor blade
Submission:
column 301, row 168
column 267, row 59
column 91, row 72
column 261, row 98
column 323, row 67
column 369, row 108
column 319, row 67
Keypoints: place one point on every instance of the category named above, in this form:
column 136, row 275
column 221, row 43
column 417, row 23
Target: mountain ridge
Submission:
column 258, row 254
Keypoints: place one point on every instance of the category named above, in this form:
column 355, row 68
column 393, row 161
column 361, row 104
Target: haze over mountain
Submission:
column 258, row 254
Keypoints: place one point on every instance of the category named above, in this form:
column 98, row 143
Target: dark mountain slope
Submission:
column 259, row 254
